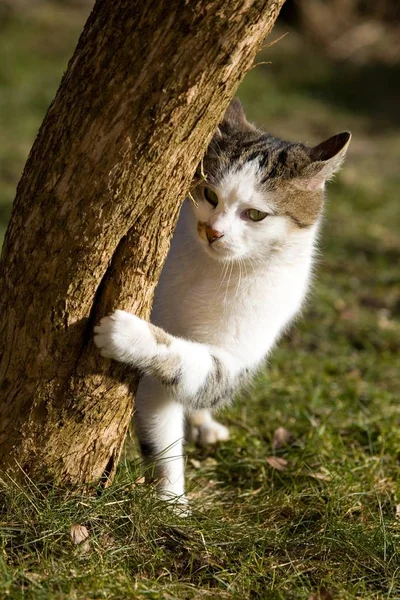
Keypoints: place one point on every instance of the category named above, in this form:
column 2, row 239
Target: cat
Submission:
column 236, row 275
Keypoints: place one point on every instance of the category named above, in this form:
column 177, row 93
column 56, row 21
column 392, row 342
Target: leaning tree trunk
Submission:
column 94, row 213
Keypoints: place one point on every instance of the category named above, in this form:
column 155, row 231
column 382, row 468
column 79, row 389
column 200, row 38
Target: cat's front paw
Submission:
column 125, row 338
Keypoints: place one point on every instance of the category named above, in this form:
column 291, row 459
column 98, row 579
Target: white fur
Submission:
column 163, row 423
column 125, row 338
column 236, row 295
column 196, row 363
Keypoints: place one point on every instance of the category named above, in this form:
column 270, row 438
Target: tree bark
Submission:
column 94, row 212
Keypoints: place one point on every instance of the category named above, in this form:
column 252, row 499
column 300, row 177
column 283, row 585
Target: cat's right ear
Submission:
column 326, row 159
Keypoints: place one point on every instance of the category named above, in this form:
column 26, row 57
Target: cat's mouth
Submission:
column 212, row 241
column 209, row 235
column 219, row 250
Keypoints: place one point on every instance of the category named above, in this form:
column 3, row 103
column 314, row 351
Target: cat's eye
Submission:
column 210, row 196
column 255, row 215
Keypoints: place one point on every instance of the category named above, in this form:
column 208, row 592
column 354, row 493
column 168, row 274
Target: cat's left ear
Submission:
column 234, row 119
column 326, row 159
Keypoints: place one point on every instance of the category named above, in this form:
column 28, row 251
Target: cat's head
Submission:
column 253, row 192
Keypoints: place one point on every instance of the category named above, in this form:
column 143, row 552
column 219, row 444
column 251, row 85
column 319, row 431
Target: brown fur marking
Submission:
column 161, row 336
column 202, row 230
column 168, row 369
column 302, row 206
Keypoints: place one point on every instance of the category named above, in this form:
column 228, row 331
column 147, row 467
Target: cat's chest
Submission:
column 229, row 308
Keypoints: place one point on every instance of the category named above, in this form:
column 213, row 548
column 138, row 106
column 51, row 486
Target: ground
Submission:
column 324, row 521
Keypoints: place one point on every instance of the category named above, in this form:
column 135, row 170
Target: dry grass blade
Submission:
column 321, row 476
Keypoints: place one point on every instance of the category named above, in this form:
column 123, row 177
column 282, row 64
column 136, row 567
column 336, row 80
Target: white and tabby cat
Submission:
column 236, row 275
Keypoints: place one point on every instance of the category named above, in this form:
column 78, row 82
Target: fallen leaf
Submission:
column 140, row 480
column 79, row 535
column 196, row 463
column 349, row 315
column 281, row 437
column 277, row 462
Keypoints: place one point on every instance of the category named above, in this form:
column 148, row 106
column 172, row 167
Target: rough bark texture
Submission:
column 94, row 213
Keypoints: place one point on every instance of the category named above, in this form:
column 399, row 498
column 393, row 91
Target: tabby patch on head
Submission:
column 252, row 187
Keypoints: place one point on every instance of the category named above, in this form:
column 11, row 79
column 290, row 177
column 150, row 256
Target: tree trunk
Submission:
column 94, row 213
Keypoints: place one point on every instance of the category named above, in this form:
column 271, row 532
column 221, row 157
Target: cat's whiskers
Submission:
column 229, row 281
column 223, row 275
column 238, row 267
column 239, row 278
column 246, row 274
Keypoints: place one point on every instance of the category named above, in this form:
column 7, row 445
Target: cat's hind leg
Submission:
column 159, row 422
column 203, row 429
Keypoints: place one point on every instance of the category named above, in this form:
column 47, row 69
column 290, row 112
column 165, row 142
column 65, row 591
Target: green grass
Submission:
column 328, row 520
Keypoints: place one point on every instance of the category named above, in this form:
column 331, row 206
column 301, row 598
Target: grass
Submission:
column 326, row 526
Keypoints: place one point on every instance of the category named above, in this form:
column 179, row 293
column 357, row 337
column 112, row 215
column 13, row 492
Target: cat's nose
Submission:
column 213, row 234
